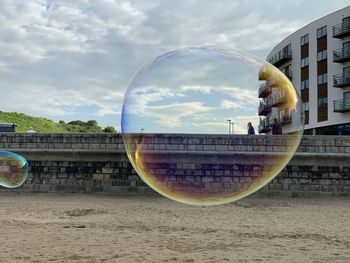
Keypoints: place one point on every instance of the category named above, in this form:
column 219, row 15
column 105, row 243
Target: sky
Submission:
column 69, row 60
column 194, row 90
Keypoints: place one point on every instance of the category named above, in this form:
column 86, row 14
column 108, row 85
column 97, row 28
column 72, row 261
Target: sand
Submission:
column 98, row 228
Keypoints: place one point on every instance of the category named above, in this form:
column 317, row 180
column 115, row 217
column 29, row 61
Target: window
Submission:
column 322, row 55
column 321, row 32
column 322, row 79
column 287, row 50
column 346, row 75
column 346, row 72
column 323, row 102
column 287, row 71
column 346, row 95
column 304, row 62
column 305, row 106
column 346, row 20
column 304, row 40
column 304, row 84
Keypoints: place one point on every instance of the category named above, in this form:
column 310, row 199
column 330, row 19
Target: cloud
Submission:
column 228, row 105
column 74, row 59
column 197, row 88
column 171, row 115
column 241, row 94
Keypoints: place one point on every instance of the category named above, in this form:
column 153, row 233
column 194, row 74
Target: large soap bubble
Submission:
column 179, row 109
column 13, row 169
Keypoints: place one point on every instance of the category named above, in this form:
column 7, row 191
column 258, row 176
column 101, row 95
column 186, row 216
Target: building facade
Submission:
column 316, row 59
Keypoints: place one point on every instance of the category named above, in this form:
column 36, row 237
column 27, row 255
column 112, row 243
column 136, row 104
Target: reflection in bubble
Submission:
column 13, row 169
column 175, row 116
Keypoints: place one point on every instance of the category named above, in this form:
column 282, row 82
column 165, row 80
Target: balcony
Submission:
column 341, row 105
column 286, row 119
column 342, row 30
column 264, row 90
column 341, row 80
column 264, row 108
column 278, row 100
column 341, row 55
column 264, row 125
column 281, row 57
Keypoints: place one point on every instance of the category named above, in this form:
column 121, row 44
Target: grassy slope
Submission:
column 38, row 124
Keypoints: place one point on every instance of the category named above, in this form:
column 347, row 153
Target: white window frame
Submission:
column 304, row 62
column 322, row 55
column 322, row 79
column 306, row 106
column 321, row 32
column 322, row 102
column 304, row 84
column 304, row 40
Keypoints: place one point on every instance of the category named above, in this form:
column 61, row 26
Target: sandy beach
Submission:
column 98, row 228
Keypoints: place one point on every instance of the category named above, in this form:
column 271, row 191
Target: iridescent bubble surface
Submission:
column 13, row 169
column 180, row 108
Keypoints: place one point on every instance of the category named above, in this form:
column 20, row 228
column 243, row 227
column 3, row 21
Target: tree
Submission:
column 92, row 123
column 109, row 129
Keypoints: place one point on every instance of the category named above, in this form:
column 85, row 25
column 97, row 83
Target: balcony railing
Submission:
column 281, row 57
column 286, row 119
column 341, row 55
column 278, row 100
column 341, row 105
column 341, row 30
column 264, row 90
column 264, row 108
column 341, row 80
column 264, row 125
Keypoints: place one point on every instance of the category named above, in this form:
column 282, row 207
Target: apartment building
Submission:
column 316, row 59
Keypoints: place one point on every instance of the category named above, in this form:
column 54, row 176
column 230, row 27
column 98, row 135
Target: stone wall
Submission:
column 98, row 162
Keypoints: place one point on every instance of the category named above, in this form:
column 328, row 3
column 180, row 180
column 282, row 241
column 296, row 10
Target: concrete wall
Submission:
column 98, row 163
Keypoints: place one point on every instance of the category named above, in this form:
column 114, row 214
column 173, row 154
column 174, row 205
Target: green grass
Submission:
column 24, row 122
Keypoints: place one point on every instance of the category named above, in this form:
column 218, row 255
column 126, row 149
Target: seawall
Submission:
column 98, row 162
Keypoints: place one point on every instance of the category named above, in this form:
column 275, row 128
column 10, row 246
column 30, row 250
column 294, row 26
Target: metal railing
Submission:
column 264, row 108
column 341, row 55
column 264, row 125
column 341, row 30
column 281, row 57
column 286, row 119
column 341, row 80
column 278, row 100
column 341, row 105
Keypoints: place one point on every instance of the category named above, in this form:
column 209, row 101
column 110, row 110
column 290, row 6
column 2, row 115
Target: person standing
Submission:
column 276, row 127
column 250, row 128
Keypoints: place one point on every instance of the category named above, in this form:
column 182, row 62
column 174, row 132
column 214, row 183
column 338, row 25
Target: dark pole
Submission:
column 229, row 126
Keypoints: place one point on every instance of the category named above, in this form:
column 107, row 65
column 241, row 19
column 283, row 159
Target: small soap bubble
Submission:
column 210, row 125
column 13, row 169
